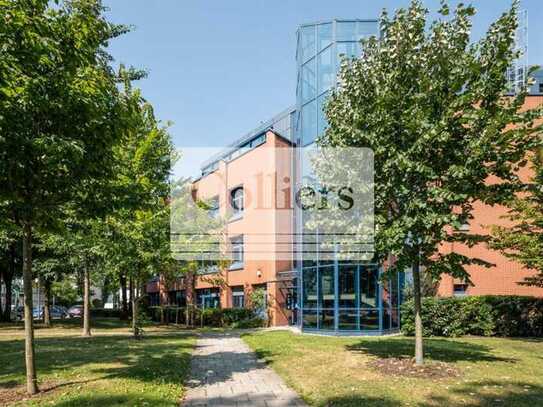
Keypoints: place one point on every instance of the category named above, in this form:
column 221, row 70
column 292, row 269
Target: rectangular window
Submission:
column 208, row 298
column 460, row 289
column 369, row 276
column 347, row 286
column 326, row 287
column 244, row 148
column 541, row 87
column 154, row 299
column 346, row 31
column 208, row 266
column 327, row 74
column 234, row 154
column 367, row 28
column 177, row 298
column 309, row 122
column 238, row 297
column 464, row 227
column 258, row 141
column 237, row 252
column 307, row 43
column 324, row 35
column 210, row 168
column 310, row 287
column 309, row 80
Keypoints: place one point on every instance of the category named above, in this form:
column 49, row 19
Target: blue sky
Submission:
column 218, row 68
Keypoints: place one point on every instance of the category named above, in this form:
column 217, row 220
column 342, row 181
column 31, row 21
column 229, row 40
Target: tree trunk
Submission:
column 124, row 301
column 105, row 291
column 419, row 352
column 47, row 304
column 131, row 293
column 2, row 312
column 190, row 294
column 8, row 282
column 31, row 379
column 135, row 325
column 86, row 303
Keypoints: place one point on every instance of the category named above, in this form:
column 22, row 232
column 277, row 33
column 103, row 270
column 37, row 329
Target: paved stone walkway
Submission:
column 225, row 372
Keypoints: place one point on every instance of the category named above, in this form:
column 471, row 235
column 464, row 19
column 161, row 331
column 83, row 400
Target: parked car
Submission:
column 75, row 311
column 56, row 312
column 62, row 311
column 37, row 313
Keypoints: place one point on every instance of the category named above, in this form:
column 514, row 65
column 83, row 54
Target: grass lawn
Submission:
column 335, row 371
column 110, row 368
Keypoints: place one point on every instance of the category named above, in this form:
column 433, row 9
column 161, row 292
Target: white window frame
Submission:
column 236, row 293
column 237, row 250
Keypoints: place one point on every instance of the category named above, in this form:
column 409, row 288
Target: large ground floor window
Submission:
column 154, row 299
column 177, row 298
column 208, row 298
column 349, row 297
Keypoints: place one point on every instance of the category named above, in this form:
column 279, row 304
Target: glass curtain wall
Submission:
column 319, row 54
column 350, row 298
column 335, row 296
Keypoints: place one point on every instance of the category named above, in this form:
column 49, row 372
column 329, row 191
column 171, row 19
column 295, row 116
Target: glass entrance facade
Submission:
column 333, row 296
column 349, row 298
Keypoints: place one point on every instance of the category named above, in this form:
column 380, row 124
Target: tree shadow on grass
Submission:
column 68, row 323
column 490, row 394
column 264, row 356
column 111, row 400
column 220, row 367
column 361, row 401
column 9, row 384
column 436, row 349
column 161, row 358
column 160, row 363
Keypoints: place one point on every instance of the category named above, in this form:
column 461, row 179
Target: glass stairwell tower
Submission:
column 335, row 297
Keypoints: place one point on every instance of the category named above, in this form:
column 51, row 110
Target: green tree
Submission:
column 58, row 113
column 65, row 290
column 79, row 245
column 198, row 242
column 138, row 243
column 48, row 265
column 432, row 106
column 523, row 240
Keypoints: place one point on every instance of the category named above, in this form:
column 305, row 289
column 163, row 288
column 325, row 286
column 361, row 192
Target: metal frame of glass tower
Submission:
column 335, row 297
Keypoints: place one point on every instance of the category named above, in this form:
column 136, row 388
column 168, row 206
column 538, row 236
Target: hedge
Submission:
column 210, row 317
column 492, row 315
column 105, row 313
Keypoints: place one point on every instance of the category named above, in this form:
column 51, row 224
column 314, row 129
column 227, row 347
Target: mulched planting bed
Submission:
column 12, row 393
column 407, row 367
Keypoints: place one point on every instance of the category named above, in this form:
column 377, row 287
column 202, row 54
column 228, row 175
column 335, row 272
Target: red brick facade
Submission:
column 503, row 277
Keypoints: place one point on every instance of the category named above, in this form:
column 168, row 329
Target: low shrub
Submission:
column 209, row 317
column 212, row 317
column 105, row 313
column 236, row 315
column 477, row 315
column 254, row 322
column 517, row 316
